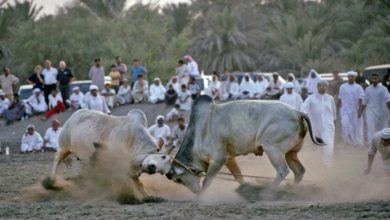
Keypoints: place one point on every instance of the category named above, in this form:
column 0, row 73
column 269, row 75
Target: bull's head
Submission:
column 187, row 176
column 156, row 163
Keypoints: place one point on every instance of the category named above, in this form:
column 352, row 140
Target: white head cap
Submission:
column 93, row 87
column 385, row 133
column 352, row 73
column 75, row 88
column 36, row 90
column 30, row 126
column 289, row 85
column 2, row 93
column 159, row 117
column 157, row 79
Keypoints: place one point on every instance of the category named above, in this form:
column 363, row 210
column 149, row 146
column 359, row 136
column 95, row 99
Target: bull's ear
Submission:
column 178, row 170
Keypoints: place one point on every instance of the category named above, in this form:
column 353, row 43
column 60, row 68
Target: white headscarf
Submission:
column 311, row 83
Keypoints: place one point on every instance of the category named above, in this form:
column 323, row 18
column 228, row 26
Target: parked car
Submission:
column 381, row 70
column 25, row 91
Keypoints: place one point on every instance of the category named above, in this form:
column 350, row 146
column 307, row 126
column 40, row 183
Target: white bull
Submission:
column 86, row 130
column 219, row 132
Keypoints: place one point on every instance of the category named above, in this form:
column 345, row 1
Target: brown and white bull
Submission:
column 125, row 137
column 217, row 133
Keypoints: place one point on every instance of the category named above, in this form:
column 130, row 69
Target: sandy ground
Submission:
column 337, row 192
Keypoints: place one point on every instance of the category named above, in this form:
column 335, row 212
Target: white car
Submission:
column 25, row 91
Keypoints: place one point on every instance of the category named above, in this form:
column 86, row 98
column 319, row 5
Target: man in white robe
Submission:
column 156, row 92
column 275, row 87
column 183, row 73
column 349, row 102
column 124, row 93
column 178, row 133
column 31, row 140
column 192, row 66
column 109, row 95
column 246, row 87
column 291, row 79
column 76, row 98
column 231, row 89
column 311, row 82
column 51, row 136
column 140, row 90
column 94, row 101
column 214, row 87
column 174, row 113
column 322, row 112
column 380, row 142
column 175, row 84
column 260, row 86
column 36, row 103
column 160, row 132
column 291, row 98
column 184, row 98
column 4, row 102
column 376, row 102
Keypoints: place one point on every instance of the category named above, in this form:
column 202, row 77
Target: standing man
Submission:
column 380, row 142
column 50, row 79
column 376, row 102
column 291, row 98
column 121, row 67
column 311, row 82
column 182, row 72
column 322, row 112
column 64, row 78
column 192, row 66
column 96, row 74
column 335, row 83
column 7, row 81
column 37, row 79
column 350, row 102
column 136, row 70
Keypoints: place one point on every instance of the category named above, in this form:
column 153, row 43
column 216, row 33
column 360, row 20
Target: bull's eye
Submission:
column 179, row 180
column 163, row 157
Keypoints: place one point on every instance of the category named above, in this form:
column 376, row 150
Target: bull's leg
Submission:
column 48, row 183
column 295, row 165
column 140, row 186
column 235, row 169
column 278, row 160
column 213, row 169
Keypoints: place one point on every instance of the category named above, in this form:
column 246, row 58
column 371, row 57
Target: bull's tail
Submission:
column 316, row 141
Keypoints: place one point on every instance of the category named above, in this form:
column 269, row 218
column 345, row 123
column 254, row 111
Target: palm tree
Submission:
column 180, row 16
column 104, row 8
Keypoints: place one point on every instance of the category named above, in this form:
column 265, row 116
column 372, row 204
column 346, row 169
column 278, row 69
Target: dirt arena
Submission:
column 338, row 192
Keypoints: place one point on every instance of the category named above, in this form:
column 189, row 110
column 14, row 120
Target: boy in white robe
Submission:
column 349, row 102
column 36, row 103
column 4, row 102
column 76, row 98
column 31, row 140
column 51, row 136
column 156, row 92
column 109, row 95
column 160, row 132
column 321, row 109
column 311, row 82
column 124, row 93
column 376, row 103
column 184, row 98
column 380, row 142
column 291, row 98
column 140, row 90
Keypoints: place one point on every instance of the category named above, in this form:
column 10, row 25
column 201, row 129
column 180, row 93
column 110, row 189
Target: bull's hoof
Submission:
column 49, row 184
column 126, row 199
column 153, row 199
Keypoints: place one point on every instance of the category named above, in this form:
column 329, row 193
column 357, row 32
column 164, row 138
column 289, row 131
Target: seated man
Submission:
column 174, row 113
column 109, row 95
column 274, row 90
column 94, row 101
column 231, row 89
column 381, row 143
column 4, row 103
column 175, row 84
column 124, row 93
column 140, row 90
column 76, row 99
column 56, row 105
column 260, row 86
column 194, row 88
column 31, row 140
column 51, row 136
column 156, row 92
column 15, row 110
column 178, row 133
column 160, row 132
column 170, row 95
column 36, row 103
column 214, row 87
column 184, row 98
column 247, row 87
column 291, row 98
